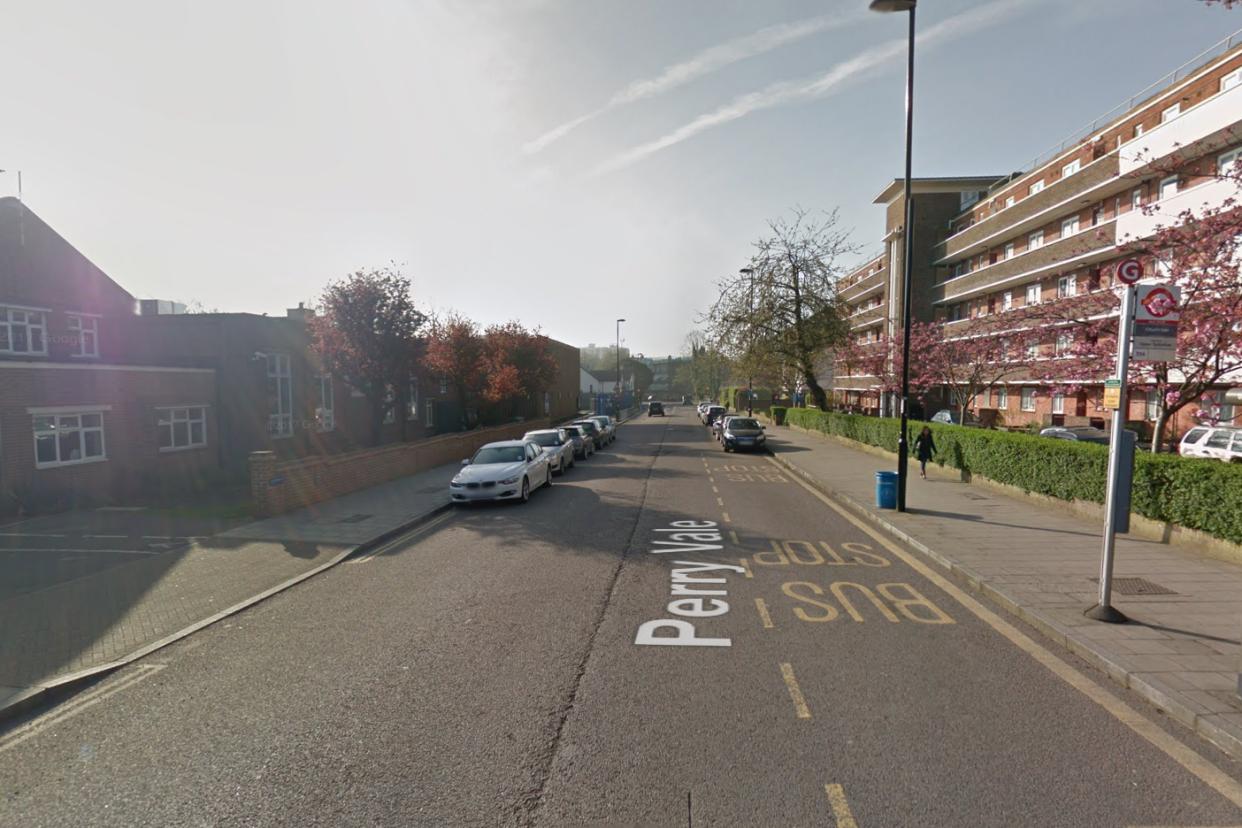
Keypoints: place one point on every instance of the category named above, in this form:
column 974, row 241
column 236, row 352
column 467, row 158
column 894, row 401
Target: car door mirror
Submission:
column 465, row 462
column 763, row 428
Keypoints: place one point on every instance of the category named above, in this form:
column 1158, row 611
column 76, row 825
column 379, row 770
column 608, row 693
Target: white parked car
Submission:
column 1216, row 442
column 507, row 470
column 557, row 444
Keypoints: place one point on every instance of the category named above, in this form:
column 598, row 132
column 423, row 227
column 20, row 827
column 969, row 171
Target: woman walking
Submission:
column 924, row 448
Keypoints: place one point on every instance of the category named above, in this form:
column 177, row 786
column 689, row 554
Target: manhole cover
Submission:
column 1138, row 586
column 355, row 519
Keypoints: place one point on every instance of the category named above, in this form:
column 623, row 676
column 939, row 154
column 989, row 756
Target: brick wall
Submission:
column 315, row 479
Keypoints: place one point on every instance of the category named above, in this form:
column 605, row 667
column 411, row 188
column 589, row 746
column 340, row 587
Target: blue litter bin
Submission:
column 886, row 490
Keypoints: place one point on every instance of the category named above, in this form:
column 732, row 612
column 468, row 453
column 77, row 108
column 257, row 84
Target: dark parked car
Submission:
column 950, row 417
column 655, row 408
column 593, row 430
column 1085, row 434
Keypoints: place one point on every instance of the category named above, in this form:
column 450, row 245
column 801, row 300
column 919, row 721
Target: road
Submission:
column 486, row 671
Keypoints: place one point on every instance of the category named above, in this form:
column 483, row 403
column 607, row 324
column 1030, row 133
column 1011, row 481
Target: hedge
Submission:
column 778, row 414
column 1190, row 492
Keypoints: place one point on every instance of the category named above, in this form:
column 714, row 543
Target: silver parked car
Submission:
column 507, row 470
column 606, row 423
column 742, row 433
column 583, row 444
column 1215, row 442
column 557, row 445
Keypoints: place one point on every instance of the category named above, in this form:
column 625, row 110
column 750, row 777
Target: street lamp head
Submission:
column 620, row 320
column 885, row 6
column 747, row 270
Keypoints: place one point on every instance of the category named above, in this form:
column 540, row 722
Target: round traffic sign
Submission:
column 1130, row 271
column 1159, row 302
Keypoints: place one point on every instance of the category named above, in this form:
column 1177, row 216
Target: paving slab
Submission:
column 1041, row 564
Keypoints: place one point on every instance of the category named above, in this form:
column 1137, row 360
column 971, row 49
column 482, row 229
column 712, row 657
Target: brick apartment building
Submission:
column 1053, row 232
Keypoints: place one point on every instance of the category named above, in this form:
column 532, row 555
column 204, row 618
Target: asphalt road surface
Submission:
column 554, row 664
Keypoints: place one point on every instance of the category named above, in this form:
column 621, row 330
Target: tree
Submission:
column 782, row 311
column 454, row 351
column 364, row 332
column 707, row 369
column 968, row 356
column 516, row 362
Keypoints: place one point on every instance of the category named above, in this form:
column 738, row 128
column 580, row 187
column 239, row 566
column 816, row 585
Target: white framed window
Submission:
column 1036, row 187
column 325, row 411
column 1032, row 294
column 1231, row 80
column 952, row 397
column 1009, row 251
column 1164, row 264
column 1009, row 202
column 1032, row 349
column 431, row 414
column 1136, row 198
column 1067, row 286
column 1168, row 187
column 1006, row 347
column 69, row 438
column 1069, row 226
column 443, row 385
column 182, row 428
column 1170, row 113
column 411, row 400
column 1058, row 403
column 1230, row 163
column 1151, row 406
column 1064, row 343
column 1035, row 240
column 1138, row 130
column 1028, row 398
column 84, row 328
column 1071, row 168
column 1007, row 300
column 1002, row 398
column 279, row 396
column 22, row 331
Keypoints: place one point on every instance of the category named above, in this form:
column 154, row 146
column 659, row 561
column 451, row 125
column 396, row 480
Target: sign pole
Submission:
column 1105, row 611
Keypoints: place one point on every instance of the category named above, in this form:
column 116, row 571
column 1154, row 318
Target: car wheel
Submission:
column 548, row 482
column 525, row 490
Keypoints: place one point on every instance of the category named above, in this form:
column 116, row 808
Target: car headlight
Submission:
column 456, row 484
column 759, row 438
column 510, row 480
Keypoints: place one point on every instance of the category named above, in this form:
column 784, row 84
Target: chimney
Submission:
column 300, row 313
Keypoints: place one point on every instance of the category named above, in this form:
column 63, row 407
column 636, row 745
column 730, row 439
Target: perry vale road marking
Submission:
column 406, row 538
column 840, row 808
column 1175, row 750
column 111, row 551
column 795, row 692
column 75, row 706
column 762, row 606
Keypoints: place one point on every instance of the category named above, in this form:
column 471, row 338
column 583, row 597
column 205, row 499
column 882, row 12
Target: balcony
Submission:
column 863, row 286
column 1092, row 183
column 1135, row 225
column 1202, row 129
column 1087, row 247
column 866, row 318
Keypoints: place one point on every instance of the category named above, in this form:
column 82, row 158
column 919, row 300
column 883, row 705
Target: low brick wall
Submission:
column 278, row 487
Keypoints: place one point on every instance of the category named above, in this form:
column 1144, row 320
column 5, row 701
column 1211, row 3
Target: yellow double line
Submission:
column 406, row 538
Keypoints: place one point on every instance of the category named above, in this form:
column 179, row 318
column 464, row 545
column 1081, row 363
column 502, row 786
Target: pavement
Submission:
column 1180, row 649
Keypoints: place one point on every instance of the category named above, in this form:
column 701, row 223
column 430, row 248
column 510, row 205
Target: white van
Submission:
column 1218, row 443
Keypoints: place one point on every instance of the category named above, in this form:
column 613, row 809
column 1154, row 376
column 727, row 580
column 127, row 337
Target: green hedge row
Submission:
column 778, row 414
column 1191, row 492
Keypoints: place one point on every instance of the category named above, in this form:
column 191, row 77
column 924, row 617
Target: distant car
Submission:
column 1083, row 434
column 583, row 444
column 655, row 409
column 712, row 412
column 742, row 433
column 557, row 445
column 950, row 417
column 592, row 428
column 605, row 423
column 506, row 470
column 687, row 400
column 1216, row 442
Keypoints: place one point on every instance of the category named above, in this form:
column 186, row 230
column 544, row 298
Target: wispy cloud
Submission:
column 779, row 94
column 704, row 63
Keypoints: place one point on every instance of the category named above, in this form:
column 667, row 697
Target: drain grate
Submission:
column 355, row 519
column 1138, row 586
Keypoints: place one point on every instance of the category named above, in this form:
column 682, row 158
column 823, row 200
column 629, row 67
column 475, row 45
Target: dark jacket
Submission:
column 924, row 446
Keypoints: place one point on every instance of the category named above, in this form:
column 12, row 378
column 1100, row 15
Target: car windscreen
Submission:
column 499, row 454
column 589, row 426
column 743, row 423
column 545, row 439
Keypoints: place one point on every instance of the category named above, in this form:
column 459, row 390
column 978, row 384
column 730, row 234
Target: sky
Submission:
column 564, row 163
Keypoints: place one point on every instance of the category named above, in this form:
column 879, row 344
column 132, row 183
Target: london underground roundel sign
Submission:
column 1130, row 271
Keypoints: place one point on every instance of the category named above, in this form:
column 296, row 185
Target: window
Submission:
column 1032, row 294
column 85, row 335
column 969, row 197
column 1231, row 80
column 1035, row 240
column 390, row 405
column 1064, row 343
column 431, row 414
column 182, row 428
column 1067, row 286
column 279, row 396
column 65, row 439
column 1138, row 130
column 443, row 385
column 1028, row 399
column 952, row 397
column 1230, row 163
column 1152, row 406
column 1071, row 168
column 1170, row 113
column 1009, row 202
column 411, row 400
column 1097, row 215
column 1168, row 187
column 1136, row 198
column 1227, row 413
column 1009, row 251
column 1058, row 403
column 1069, row 227
column 1032, row 349
column 1036, row 187
column 1218, row 439
column 1002, row 398
column 22, row 332
column 1007, row 300
column 1164, row 264
column 325, row 411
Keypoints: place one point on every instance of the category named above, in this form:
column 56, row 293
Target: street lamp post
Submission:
column 903, row 447
column 618, row 385
column 750, row 380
